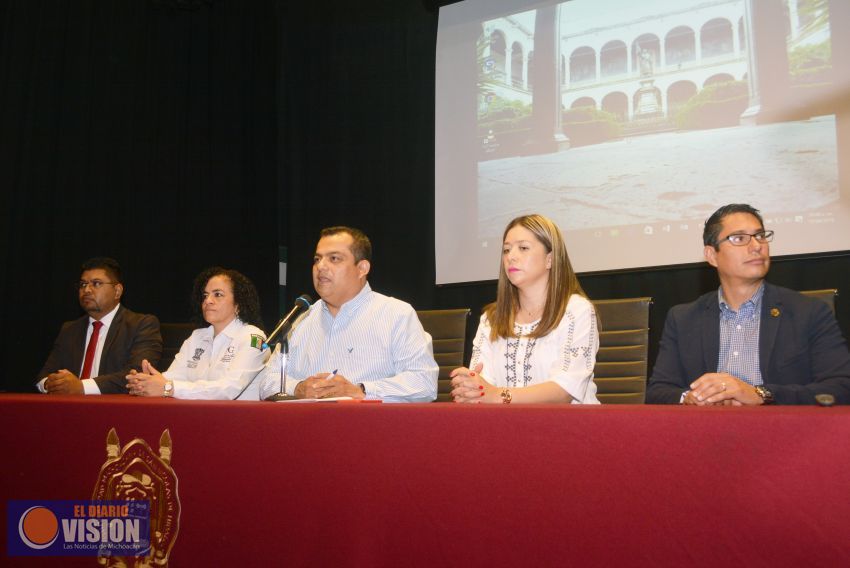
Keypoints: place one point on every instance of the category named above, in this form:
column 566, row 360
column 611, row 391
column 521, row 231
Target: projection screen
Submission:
column 629, row 123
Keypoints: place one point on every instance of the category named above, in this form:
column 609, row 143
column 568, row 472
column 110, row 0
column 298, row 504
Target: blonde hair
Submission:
column 562, row 284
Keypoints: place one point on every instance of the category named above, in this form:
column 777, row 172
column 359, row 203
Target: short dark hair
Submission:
column 244, row 294
column 714, row 224
column 108, row 265
column 361, row 248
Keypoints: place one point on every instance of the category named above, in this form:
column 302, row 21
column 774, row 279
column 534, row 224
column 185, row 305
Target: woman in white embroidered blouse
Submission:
column 538, row 341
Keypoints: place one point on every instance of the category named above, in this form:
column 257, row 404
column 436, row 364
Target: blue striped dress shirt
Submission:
column 374, row 340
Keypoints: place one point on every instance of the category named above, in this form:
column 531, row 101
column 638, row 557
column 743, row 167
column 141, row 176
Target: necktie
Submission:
column 90, row 350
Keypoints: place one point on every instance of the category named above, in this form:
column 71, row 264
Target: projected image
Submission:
column 646, row 88
column 623, row 119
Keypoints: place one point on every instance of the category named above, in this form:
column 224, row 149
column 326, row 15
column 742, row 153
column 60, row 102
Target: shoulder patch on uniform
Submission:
column 257, row 341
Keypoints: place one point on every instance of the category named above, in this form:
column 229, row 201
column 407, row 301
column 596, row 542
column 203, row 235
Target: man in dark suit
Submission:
column 750, row 342
column 94, row 354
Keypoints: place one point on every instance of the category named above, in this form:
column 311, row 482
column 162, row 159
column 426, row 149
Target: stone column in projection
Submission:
column 769, row 83
column 839, row 34
column 546, row 133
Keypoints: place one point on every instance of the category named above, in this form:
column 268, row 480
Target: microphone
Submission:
column 302, row 302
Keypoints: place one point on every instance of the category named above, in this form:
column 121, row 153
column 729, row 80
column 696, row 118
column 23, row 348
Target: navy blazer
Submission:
column 801, row 350
column 131, row 338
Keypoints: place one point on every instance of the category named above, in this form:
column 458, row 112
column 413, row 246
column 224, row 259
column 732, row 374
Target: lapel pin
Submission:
column 774, row 312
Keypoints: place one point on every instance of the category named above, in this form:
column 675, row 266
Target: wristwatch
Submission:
column 168, row 389
column 766, row 395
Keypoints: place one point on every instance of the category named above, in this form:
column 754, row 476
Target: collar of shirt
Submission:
column 107, row 319
column 230, row 331
column 348, row 309
column 224, row 338
column 750, row 307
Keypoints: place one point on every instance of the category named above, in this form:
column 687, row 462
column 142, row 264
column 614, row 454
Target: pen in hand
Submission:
column 332, row 375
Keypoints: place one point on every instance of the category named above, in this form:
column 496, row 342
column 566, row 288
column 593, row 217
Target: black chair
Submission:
column 621, row 363
column 827, row 295
column 448, row 333
column 173, row 336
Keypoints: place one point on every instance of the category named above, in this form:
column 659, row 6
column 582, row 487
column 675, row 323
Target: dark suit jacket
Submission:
column 131, row 338
column 801, row 350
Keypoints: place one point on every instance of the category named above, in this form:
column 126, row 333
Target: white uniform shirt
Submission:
column 565, row 356
column 374, row 340
column 208, row 368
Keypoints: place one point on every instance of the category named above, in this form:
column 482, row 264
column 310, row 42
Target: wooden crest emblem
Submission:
column 136, row 473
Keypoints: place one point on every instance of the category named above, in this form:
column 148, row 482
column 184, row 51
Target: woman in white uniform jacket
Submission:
column 538, row 341
column 219, row 361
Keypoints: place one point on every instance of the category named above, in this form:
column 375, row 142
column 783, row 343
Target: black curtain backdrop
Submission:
column 178, row 134
column 135, row 129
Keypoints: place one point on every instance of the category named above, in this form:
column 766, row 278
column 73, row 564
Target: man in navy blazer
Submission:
column 749, row 342
column 123, row 338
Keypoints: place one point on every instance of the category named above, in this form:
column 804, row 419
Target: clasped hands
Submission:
column 63, row 381
column 320, row 386
column 721, row 389
column 469, row 386
column 148, row 382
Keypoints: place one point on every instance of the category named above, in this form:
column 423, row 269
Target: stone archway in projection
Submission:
column 716, row 37
column 498, row 51
column 516, row 65
column 718, row 78
column 583, row 102
column 678, row 94
column 613, row 59
column 680, row 45
column 582, row 64
column 617, row 103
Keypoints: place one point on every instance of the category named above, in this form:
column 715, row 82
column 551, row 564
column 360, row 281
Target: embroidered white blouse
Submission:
column 566, row 356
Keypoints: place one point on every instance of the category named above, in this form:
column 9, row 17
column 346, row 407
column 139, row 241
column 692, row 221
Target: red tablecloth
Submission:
column 442, row 484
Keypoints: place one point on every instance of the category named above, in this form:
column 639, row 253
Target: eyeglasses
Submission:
column 741, row 239
column 96, row 284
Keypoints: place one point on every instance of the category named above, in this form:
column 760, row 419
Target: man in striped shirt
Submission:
column 749, row 342
column 354, row 341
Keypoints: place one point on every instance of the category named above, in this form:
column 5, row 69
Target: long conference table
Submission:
column 347, row 484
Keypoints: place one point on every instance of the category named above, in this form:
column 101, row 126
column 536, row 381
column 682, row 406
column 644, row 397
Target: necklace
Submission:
column 537, row 311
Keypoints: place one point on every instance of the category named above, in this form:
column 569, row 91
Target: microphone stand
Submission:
column 284, row 357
